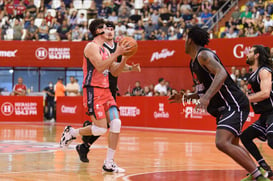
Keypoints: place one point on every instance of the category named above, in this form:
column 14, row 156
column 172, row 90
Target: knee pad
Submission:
column 97, row 131
column 115, row 126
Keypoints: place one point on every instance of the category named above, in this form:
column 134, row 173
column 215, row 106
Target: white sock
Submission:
column 256, row 173
column 110, row 154
column 75, row 132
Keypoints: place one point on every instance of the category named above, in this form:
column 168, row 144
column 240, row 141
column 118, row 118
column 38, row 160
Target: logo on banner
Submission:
column 53, row 53
column 19, row 108
column 68, row 109
column 161, row 113
column 9, row 53
column 129, row 111
column 163, row 54
column 41, row 53
column 239, row 51
column 7, row 108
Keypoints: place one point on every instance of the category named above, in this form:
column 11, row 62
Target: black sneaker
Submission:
column 83, row 151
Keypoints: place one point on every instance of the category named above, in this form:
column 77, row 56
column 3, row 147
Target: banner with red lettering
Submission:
column 153, row 112
column 21, row 108
column 150, row 53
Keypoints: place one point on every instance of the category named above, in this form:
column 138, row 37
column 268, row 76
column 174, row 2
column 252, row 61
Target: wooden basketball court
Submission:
column 30, row 151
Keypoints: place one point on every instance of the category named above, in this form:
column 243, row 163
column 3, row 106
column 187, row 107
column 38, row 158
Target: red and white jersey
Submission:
column 20, row 88
column 91, row 77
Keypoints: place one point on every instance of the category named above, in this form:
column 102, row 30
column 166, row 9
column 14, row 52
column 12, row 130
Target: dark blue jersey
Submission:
column 228, row 97
column 254, row 80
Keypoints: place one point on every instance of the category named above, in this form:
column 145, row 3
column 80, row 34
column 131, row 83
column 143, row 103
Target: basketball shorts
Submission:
column 264, row 125
column 97, row 101
column 232, row 120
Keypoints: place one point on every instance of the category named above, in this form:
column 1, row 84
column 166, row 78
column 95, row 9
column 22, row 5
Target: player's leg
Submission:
column 83, row 149
column 98, row 117
column 227, row 136
column 247, row 138
column 113, row 138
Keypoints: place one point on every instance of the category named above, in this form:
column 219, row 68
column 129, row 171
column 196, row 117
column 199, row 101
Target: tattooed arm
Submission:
column 206, row 59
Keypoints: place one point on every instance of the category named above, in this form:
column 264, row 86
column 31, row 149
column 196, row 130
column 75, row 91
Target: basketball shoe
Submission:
column 268, row 169
column 111, row 166
column 67, row 137
column 249, row 177
column 83, row 150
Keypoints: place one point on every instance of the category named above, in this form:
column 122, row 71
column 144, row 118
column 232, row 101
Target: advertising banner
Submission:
column 140, row 111
column 41, row 54
column 21, row 108
column 150, row 53
column 70, row 109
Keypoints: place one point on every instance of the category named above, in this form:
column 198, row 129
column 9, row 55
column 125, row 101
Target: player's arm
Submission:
column 265, row 86
column 116, row 68
column 207, row 60
column 92, row 51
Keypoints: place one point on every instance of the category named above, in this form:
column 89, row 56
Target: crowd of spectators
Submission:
column 255, row 18
column 68, row 19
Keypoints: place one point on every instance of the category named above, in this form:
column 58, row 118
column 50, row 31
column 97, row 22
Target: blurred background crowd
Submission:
column 68, row 20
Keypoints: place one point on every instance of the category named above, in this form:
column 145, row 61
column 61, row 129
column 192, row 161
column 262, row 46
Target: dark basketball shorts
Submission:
column 232, row 120
column 98, row 101
column 264, row 125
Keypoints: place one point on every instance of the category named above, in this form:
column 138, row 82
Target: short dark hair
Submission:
column 110, row 24
column 94, row 25
column 160, row 79
column 199, row 36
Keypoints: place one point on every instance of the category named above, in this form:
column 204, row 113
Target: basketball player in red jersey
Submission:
column 97, row 96
column 111, row 45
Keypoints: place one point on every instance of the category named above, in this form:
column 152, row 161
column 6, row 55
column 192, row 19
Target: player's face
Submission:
column 250, row 57
column 109, row 32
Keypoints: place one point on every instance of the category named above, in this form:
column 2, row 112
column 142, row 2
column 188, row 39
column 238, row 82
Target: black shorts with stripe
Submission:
column 264, row 125
column 232, row 120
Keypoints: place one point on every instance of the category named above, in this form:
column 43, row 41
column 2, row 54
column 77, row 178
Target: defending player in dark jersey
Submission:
column 261, row 99
column 111, row 45
column 221, row 97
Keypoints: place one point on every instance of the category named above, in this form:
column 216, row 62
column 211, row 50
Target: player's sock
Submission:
column 110, row 154
column 256, row 173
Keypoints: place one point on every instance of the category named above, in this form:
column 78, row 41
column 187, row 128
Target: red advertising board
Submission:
column 150, row 53
column 153, row 112
column 21, row 108
column 41, row 54
column 70, row 110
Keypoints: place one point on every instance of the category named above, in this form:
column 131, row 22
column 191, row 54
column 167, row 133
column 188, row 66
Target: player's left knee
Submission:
column 115, row 126
column 270, row 140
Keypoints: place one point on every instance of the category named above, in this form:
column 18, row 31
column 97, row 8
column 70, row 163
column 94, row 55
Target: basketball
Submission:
column 132, row 44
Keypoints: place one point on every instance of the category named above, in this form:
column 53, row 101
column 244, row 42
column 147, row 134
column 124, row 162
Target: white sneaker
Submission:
column 111, row 166
column 67, row 137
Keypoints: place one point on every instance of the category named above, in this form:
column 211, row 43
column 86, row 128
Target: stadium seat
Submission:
column 243, row 8
column 38, row 21
column 77, row 4
column 86, row 4
column 52, row 11
column 9, row 34
column 37, row 3
column 56, row 4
